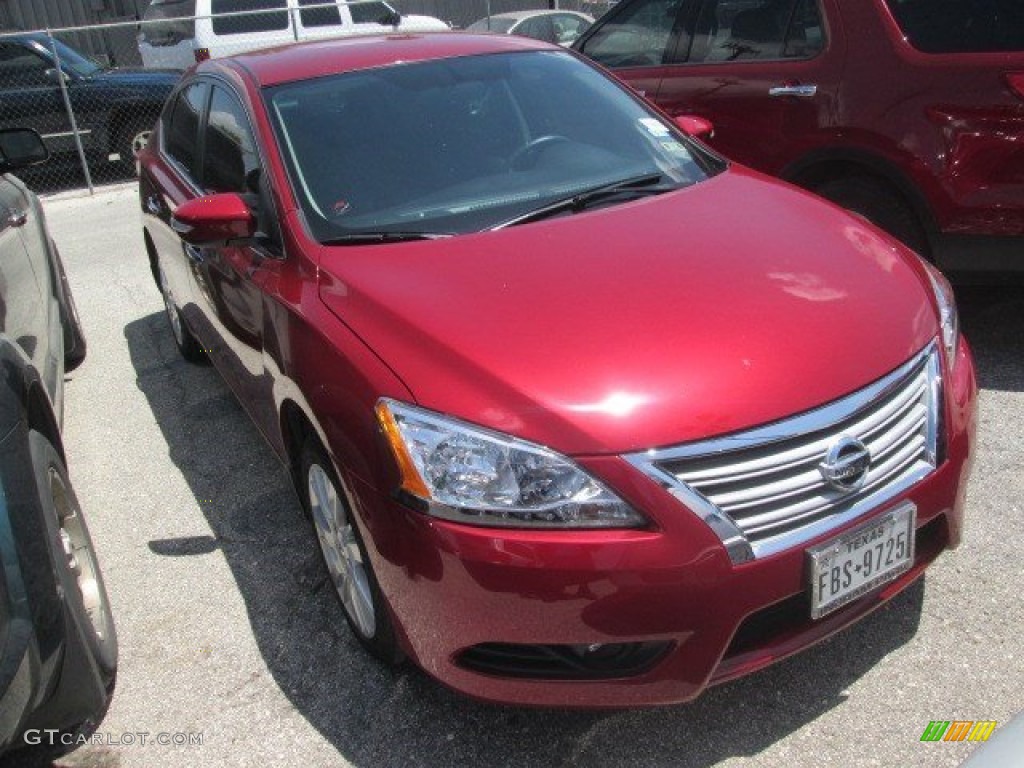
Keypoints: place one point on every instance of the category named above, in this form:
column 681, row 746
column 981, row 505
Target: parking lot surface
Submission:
column 232, row 646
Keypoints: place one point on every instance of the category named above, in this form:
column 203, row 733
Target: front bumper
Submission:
column 452, row 588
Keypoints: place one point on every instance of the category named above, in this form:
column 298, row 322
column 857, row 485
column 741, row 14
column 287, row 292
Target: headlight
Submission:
column 472, row 475
column 947, row 311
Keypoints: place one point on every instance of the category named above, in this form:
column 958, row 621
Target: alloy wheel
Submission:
column 81, row 560
column 172, row 311
column 139, row 142
column 341, row 551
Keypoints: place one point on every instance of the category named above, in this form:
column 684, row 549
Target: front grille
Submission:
column 766, row 487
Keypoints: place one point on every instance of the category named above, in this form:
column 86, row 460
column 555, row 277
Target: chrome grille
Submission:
column 762, row 491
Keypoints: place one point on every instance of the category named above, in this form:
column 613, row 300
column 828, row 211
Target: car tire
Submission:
column 881, row 204
column 75, row 555
column 131, row 139
column 349, row 572
column 81, row 583
column 183, row 338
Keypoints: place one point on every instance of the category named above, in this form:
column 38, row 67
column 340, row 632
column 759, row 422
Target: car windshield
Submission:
column 75, row 61
column 466, row 144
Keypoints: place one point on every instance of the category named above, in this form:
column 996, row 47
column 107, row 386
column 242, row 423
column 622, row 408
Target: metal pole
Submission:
column 71, row 112
column 295, row 24
column 488, row 15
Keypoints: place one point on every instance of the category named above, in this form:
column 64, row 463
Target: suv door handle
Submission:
column 17, row 218
column 804, row 91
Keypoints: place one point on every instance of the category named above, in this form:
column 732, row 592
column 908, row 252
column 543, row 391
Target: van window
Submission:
column 324, row 16
column 961, row 26
column 267, row 16
column 181, row 130
column 168, row 22
column 369, row 13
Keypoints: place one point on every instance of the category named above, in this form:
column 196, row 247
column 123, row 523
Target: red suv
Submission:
column 910, row 112
column 576, row 418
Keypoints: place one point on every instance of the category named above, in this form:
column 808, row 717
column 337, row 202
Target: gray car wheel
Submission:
column 349, row 570
column 183, row 338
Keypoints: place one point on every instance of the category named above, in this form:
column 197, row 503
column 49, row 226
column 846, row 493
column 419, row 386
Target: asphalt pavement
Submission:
column 235, row 653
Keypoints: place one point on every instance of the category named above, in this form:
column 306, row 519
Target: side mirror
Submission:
column 21, row 147
column 695, row 126
column 214, row 219
column 54, row 75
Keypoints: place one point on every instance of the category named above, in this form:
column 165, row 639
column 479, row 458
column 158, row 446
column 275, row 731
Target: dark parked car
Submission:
column 582, row 414
column 114, row 108
column 910, row 112
column 58, row 648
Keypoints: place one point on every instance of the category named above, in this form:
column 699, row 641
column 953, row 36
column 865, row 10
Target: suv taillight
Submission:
column 1016, row 82
column 202, row 54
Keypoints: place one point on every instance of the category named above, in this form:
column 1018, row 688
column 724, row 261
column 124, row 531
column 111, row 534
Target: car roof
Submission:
column 305, row 61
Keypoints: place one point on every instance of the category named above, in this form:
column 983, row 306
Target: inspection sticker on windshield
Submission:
column 856, row 562
column 673, row 147
column 654, row 127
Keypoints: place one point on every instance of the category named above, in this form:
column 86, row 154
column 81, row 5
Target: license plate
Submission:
column 853, row 564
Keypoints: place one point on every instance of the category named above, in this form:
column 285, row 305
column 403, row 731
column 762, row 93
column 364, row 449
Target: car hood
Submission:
column 729, row 304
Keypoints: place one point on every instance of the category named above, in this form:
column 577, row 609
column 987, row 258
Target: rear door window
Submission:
column 181, row 127
column 756, row 30
column 265, row 16
column 961, row 26
column 21, row 68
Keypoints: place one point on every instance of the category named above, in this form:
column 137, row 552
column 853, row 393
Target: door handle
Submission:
column 17, row 218
column 194, row 254
column 804, row 91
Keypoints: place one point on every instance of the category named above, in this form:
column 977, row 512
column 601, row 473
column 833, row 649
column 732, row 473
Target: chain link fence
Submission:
column 94, row 92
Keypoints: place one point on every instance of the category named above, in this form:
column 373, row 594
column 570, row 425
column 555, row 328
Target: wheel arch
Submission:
column 295, row 428
column 151, row 252
column 23, row 396
column 122, row 115
column 41, row 418
column 825, row 165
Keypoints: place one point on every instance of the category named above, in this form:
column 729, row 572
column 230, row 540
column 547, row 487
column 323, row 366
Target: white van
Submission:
column 178, row 33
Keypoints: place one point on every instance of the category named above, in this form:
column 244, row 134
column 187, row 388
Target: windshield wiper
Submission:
column 636, row 185
column 370, row 238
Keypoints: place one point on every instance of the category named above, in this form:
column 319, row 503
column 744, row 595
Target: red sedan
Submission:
column 582, row 414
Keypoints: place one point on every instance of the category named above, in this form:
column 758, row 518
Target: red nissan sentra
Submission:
column 583, row 415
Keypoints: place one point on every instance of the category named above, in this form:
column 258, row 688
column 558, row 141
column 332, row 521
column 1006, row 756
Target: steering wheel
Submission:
column 526, row 156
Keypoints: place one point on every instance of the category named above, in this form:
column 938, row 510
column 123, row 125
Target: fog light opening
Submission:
column 586, row 661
